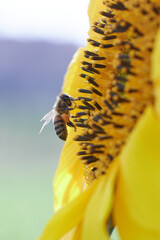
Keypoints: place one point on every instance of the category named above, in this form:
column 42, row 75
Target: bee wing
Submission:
column 47, row 118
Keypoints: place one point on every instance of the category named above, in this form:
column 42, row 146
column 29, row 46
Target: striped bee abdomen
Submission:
column 60, row 127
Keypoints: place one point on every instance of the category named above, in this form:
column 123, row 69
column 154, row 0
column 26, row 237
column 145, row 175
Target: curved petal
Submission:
column 87, row 214
column 137, row 198
column 99, row 207
column 69, row 216
column 69, row 179
column 93, row 9
column 77, row 232
column 156, row 71
column 74, row 234
column 70, row 84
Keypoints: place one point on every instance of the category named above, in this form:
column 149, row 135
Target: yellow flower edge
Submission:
column 99, row 208
column 69, row 178
column 83, row 215
column 137, row 197
column 67, row 217
column 156, row 71
column 94, row 5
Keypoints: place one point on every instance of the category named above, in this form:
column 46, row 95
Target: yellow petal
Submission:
column 99, row 207
column 69, row 179
column 69, row 216
column 137, row 199
column 156, row 72
column 87, row 214
column 93, row 9
column 74, row 234
column 70, row 84
column 77, row 232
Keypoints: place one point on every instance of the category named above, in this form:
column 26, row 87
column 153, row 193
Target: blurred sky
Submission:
column 63, row 20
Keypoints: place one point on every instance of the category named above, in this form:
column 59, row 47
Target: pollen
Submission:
column 115, row 71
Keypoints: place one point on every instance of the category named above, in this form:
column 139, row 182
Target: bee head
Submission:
column 66, row 98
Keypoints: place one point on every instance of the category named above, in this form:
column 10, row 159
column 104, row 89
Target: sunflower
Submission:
column 108, row 173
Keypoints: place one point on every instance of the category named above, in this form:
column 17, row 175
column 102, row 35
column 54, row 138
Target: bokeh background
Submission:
column 37, row 41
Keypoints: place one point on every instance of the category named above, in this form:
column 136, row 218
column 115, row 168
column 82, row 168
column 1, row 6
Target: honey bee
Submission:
column 60, row 115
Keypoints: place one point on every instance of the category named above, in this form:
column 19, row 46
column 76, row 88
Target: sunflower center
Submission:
column 116, row 74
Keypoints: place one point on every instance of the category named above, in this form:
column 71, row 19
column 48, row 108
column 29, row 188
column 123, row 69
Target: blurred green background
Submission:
column 37, row 41
column 31, row 75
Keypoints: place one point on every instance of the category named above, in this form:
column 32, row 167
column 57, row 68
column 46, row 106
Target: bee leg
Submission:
column 69, row 109
column 75, row 105
column 70, row 124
